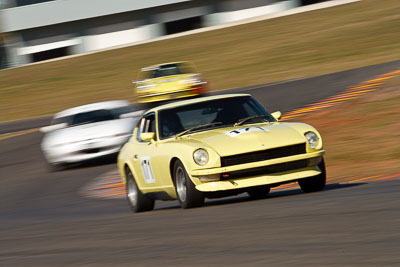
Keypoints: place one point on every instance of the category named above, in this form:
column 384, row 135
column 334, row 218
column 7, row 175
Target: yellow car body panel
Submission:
column 220, row 142
column 150, row 88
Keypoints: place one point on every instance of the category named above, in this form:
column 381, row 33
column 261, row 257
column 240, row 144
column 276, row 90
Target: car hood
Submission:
column 90, row 131
column 248, row 138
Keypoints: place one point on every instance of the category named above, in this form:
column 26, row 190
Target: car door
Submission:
column 144, row 154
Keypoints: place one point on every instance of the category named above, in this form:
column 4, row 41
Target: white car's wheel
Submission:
column 188, row 195
column 55, row 167
column 137, row 201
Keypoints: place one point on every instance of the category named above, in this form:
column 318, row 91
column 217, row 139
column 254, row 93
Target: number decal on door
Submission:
column 147, row 171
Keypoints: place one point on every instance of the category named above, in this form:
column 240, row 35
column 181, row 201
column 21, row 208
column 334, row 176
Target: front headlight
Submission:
column 312, row 139
column 200, row 156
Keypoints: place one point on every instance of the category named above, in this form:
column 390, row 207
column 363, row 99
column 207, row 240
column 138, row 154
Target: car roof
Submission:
column 93, row 106
column 162, row 64
column 194, row 100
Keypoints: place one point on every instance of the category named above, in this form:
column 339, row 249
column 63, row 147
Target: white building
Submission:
column 36, row 30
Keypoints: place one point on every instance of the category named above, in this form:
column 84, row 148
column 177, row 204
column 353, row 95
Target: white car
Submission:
column 87, row 132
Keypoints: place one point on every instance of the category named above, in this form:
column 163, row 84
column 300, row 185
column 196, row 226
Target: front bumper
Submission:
column 257, row 178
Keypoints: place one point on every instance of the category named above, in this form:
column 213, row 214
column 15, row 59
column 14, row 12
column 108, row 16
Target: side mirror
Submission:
column 52, row 128
column 277, row 115
column 147, row 137
column 131, row 114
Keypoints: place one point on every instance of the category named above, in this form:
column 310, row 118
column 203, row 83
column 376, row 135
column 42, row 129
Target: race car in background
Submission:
column 88, row 132
column 169, row 81
column 214, row 147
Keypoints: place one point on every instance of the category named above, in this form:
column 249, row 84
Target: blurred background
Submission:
column 37, row 30
column 55, row 55
column 265, row 45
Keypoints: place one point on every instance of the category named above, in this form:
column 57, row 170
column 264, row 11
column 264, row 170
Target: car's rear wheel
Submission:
column 137, row 201
column 258, row 192
column 315, row 183
column 188, row 195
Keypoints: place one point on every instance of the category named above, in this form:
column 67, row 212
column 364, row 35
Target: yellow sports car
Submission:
column 169, row 81
column 217, row 146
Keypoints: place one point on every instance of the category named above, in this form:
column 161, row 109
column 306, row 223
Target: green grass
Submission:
column 365, row 141
column 308, row 44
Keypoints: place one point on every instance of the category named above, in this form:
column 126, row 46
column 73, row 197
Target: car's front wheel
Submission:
column 137, row 201
column 315, row 183
column 188, row 195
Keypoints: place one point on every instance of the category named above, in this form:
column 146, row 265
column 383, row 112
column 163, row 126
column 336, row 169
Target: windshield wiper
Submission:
column 197, row 128
column 241, row 121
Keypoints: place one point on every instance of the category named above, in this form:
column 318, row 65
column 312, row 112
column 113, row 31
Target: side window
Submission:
column 147, row 124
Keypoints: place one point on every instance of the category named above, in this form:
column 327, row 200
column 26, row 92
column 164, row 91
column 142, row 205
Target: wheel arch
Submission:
column 185, row 164
column 127, row 166
column 171, row 168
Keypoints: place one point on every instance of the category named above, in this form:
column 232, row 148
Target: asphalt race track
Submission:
column 45, row 221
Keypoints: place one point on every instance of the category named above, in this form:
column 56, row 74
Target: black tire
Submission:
column 188, row 195
column 55, row 167
column 315, row 183
column 137, row 201
column 258, row 192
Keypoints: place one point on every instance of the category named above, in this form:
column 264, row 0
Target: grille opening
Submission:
column 275, row 168
column 273, row 153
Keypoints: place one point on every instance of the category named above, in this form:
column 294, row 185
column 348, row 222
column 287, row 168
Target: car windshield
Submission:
column 213, row 113
column 64, row 119
column 93, row 116
column 170, row 69
column 122, row 110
